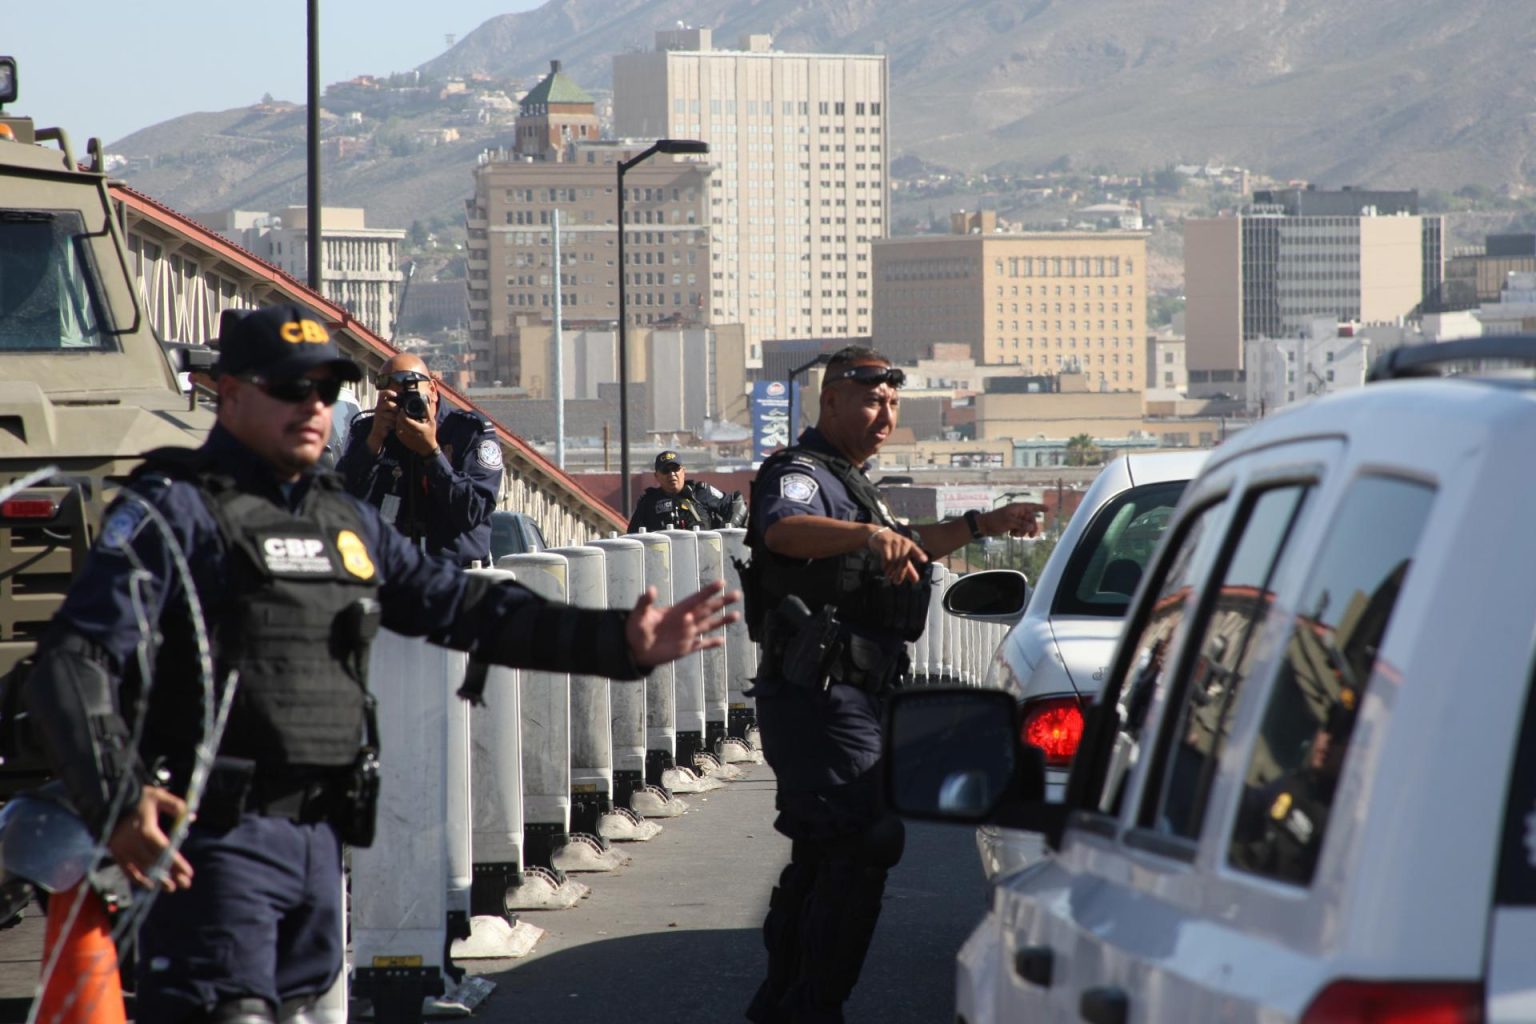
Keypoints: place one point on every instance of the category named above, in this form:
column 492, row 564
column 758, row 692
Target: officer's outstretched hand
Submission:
column 137, row 841
column 659, row 635
column 1020, row 519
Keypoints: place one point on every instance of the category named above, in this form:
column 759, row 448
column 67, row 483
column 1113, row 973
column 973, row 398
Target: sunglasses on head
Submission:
column 297, row 389
column 399, row 377
column 870, row 375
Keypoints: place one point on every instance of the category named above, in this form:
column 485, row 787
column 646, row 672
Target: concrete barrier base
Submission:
column 623, row 825
column 542, row 889
column 582, row 852
column 492, row 938
column 655, row 802
column 685, row 780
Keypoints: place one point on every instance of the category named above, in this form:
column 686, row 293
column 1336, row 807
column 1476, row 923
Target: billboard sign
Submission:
column 773, row 413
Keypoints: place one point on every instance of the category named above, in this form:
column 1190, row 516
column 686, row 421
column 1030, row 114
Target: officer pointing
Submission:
column 432, row 472
column 835, row 590
column 285, row 579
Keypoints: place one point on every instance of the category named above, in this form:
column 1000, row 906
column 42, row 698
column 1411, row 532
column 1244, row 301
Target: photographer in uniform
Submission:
column 835, row 589
column 434, row 474
column 239, row 558
column 677, row 503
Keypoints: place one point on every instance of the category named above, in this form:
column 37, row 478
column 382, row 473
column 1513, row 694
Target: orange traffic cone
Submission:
column 84, row 987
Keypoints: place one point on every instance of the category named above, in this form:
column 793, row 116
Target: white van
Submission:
column 1308, row 789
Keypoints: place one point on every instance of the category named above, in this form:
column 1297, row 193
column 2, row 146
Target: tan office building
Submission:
column 1049, row 303
column 1296, row 254
column 801, row 187
column 512, row 243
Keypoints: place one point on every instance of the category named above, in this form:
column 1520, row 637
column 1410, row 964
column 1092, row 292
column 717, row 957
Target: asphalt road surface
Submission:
column 673, row 935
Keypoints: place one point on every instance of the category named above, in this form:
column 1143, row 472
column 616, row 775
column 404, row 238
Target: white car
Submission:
column 1054, row 658
column 1307, row 792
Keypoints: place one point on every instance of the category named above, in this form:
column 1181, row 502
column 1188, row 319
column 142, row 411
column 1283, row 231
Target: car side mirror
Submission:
column 996, row 595
column 954, row 755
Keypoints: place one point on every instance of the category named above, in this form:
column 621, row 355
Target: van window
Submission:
column 1339, row 625
column 1112, row 553
column 1184, row 565
column 1222, row 650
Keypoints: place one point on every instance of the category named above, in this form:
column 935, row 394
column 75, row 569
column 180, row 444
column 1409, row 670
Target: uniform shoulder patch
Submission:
column 489, row 454
column 123, row 525
column 798, row 487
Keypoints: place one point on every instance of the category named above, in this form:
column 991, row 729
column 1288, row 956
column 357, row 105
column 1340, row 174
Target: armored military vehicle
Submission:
column 85, row 385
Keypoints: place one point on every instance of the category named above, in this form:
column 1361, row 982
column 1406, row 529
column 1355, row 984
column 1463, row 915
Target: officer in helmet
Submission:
column 240, row 556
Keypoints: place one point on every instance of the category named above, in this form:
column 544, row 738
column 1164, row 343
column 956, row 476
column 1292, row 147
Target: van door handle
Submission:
column 1104, row 1004
column 1033, row 964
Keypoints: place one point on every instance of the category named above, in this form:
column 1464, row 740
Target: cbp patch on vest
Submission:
column 489, row 454
column 354, row 555
column 798, row 487
column 295, row 556
column 123, row 525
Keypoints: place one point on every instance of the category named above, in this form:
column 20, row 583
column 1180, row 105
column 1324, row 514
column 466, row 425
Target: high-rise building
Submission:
column 1048, row 302
column 558, row 166
column 801, row 187
column 1295, row 254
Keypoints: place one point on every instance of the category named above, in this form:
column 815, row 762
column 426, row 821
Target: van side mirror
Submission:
column 954, row 755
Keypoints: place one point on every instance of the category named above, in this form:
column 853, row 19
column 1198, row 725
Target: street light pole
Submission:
column 670, row 146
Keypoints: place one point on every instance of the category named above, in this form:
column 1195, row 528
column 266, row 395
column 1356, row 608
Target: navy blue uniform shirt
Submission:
column 813, row 739
column 421, row 595
column 459, row 488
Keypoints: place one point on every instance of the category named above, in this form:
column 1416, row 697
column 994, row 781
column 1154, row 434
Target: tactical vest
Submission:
column 854, row 583
column 292, row 620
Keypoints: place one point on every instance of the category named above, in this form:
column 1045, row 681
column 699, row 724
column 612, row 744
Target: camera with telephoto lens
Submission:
column 411, row 401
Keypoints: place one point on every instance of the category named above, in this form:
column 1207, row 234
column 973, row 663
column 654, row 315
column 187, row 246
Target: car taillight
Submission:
column 1055, row 725
column 28, row 508
column 1397, row 1002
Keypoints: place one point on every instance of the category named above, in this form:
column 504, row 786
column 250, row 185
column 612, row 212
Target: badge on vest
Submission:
column 295, row 556
column 354, row 555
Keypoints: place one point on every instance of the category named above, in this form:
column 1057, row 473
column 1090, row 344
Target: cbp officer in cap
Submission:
column 432, row 472
column 677, row 503
column 233, row 578
column 835, row 589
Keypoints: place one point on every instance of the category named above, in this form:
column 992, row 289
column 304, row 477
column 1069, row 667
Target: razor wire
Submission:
column 216, row 706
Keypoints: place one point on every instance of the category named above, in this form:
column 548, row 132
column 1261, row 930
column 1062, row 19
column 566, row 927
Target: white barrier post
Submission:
column 688, row 672
column 496, row 813
column 546, row 730
column 740, row 651
column 660, row 700
column 400, row 904
column 625, row 579
column 947, row 637
column 717, row 659
column 591, row 756
column 932, row 641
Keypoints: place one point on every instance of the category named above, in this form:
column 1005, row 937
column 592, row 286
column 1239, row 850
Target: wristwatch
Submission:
column 973, row 520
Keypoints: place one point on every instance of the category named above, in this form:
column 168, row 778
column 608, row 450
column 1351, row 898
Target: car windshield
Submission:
column 1109, row 558
column 49, row 298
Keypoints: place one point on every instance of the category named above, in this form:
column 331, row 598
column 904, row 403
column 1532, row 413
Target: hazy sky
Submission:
column 103, row 68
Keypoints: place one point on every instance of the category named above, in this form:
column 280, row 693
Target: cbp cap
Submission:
column 281, row 341
column 668, row 460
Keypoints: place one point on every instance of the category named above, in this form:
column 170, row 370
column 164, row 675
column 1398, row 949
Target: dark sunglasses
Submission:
column 297, row 389
column 869, row 375
column 397, row 378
